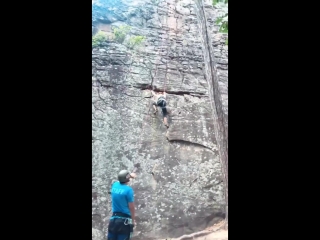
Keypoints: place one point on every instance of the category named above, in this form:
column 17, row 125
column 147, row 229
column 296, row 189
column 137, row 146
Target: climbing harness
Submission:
column 128, row 221
column 116, row 226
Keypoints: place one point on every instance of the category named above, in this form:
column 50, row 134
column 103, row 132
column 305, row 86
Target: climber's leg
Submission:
column 155, row 109
column 165, row 113
column 165, row 121
column 154, row 104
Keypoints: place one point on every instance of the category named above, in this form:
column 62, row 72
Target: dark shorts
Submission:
column 163, row 105
column 118, row 230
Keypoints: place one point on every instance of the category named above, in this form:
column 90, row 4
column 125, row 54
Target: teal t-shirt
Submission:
column 122, row 195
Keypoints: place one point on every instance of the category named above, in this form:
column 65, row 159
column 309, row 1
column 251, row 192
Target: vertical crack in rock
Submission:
column 219, row 116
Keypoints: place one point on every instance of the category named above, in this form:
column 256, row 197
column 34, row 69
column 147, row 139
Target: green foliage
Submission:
column 214, row 2
column 227, row 41
column 223, row 23
column 98, row 39
column 136, row 41
column 222, row 20
column 120, row 33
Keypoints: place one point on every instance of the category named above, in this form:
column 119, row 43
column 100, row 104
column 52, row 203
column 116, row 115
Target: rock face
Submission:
column 184, row 54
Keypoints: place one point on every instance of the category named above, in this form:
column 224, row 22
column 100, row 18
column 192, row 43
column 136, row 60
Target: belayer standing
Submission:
column 159, row 100
column 123, row 212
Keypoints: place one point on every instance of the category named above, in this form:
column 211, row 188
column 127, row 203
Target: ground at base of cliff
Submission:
column 216, row 232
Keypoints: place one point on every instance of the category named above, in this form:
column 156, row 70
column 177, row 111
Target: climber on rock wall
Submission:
column 122, row 220
column 160, row 101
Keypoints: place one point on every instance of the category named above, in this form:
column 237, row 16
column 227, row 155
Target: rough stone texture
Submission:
column 216, row 75
column 97, row 234
column 204, row 235
column 187, row 191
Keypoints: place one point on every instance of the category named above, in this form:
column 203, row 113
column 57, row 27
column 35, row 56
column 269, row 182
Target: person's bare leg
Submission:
column 165, row 121
column 155, row 109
